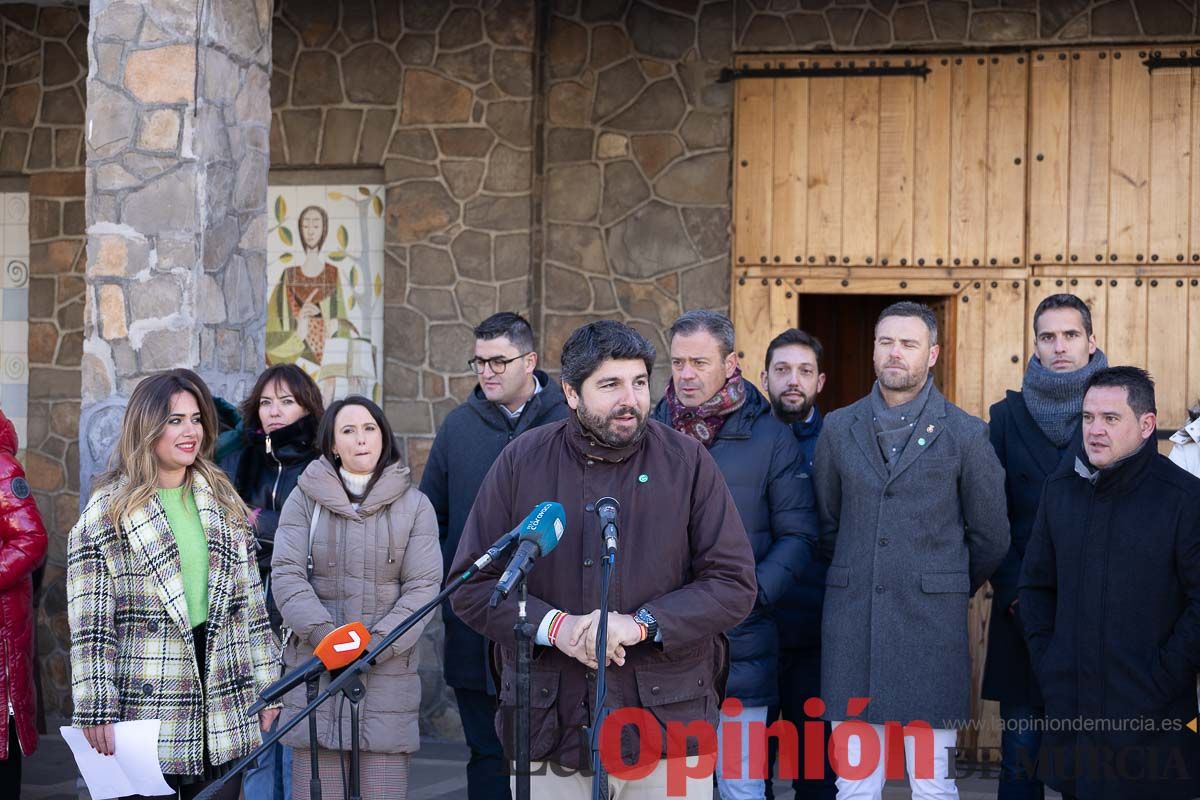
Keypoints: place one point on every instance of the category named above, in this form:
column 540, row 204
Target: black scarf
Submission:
column 289, row 445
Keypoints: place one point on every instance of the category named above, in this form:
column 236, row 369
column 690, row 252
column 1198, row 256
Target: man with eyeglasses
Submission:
column 512, row 397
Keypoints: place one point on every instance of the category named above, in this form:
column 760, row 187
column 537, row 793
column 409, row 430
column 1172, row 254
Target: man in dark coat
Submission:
column 1031, row 430
column 513, row 396
column 684, row 572
column 1110, row 606
column 912, row 511
column 709, row 400
column 793, row 379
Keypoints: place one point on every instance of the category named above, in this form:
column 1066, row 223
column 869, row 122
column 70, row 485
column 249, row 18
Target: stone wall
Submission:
column 177, row 162
column 41, row 136
column 766, row 25
column 440, row 97
column 177, row 154
column 637, row 178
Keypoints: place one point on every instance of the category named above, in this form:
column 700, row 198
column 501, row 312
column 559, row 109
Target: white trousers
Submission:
column 850, row 751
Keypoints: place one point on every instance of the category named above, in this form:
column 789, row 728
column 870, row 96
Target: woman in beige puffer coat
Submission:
column 375, row 559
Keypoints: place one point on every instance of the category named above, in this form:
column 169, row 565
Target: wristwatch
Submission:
column 644, row 618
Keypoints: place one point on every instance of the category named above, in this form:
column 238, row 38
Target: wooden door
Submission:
column 893, row 171
column 1111, row 176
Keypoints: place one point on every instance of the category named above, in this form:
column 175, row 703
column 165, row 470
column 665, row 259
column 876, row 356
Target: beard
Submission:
column 789, row 410
column 900, row 381
column 601, row 426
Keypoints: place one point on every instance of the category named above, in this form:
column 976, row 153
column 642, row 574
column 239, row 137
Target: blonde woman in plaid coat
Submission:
column 167, row 614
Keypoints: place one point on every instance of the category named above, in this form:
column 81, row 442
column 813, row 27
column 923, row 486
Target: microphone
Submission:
column 340, row 648
column 540, row 532
column 493, row 552
column 607, row 508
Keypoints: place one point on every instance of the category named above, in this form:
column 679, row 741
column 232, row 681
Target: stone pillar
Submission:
column 178, row 117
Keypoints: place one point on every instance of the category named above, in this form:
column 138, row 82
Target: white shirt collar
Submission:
column 537, row 388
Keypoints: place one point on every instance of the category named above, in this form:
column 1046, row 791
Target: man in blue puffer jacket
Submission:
column 709, row 400
column 793, row 379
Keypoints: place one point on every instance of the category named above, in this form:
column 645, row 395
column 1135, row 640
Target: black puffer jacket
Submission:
column 768, row 477
column 798, row 612
column 264, row 479
column 469, row 440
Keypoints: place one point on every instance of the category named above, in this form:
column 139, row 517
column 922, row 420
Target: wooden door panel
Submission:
column 1194, row 171
column 1006, row 160
column 1170, row 151
column 1049, row 137
column 1125, row 324
column 1167, row 349
column 789, row 205
column 1129, row 165
column 753, row 328
column 969, row 162
column 753, row 174
column 1193, row 339
column 970, row 337
column 861, row 178
column 1004, row 364
column 931, row 188
column 1090, row 98
column 825, row 157
column 897, row 123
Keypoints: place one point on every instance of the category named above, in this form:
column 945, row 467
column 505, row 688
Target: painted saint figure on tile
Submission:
column 325, row 311
column 306, row 307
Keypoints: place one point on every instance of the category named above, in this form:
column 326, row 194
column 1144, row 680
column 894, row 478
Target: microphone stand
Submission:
column 600, row 787
column 349, row 681
column 525, row 633
column 355, row 690
column 311, row 687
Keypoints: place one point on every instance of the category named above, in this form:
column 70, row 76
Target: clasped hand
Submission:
column 578, row 633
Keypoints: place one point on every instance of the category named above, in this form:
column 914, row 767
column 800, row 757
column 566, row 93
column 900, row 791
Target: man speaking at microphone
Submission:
column 684, row 571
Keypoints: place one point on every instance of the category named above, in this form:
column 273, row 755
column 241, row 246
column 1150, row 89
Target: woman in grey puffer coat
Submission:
column 375, row 559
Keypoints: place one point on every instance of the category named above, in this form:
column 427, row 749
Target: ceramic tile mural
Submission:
column 14, row 309
column 325, row 283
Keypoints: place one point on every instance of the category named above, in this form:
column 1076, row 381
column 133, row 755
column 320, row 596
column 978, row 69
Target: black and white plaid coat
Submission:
column 132, row 651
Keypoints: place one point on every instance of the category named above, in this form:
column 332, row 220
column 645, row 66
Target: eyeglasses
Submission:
column 498, row 364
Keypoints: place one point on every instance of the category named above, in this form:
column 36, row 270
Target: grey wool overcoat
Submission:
column 908, row 550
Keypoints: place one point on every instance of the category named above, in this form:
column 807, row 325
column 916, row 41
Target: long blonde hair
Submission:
column 133, row 473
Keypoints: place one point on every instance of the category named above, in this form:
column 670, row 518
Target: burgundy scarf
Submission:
column 704, row 421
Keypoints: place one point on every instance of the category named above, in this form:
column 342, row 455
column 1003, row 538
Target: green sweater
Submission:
column 184, row 518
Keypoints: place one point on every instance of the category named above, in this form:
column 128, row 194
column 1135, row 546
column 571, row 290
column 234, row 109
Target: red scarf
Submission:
column 704, row 421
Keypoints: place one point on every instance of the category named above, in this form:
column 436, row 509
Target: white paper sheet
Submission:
column 133, row 770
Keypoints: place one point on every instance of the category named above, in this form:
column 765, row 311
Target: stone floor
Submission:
column 438, row 774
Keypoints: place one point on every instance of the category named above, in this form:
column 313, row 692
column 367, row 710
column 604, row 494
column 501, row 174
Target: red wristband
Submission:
column 555, row 625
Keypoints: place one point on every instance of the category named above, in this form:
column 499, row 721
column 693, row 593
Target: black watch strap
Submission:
column 646, row 618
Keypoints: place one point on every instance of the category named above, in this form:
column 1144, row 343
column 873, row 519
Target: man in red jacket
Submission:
column 22, row 547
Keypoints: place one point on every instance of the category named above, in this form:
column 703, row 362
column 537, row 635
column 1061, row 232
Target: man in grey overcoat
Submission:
column 914, row 518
